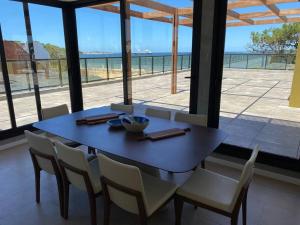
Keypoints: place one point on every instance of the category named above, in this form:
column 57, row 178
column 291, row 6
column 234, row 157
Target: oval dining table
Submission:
column 175, row 154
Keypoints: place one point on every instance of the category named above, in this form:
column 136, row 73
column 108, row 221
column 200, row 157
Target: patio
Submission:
column 254, row 105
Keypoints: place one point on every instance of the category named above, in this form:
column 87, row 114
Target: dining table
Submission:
column 177, row 154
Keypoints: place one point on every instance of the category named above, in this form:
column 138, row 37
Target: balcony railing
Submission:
column 53, row 72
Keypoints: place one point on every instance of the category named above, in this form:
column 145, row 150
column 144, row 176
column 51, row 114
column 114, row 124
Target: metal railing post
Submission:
column 266, row 60
column 189, row 65
column 286, row 59
column 60, row 73
column 152, row 64
column 247, row 61
column 229, row 65
column 181, row 66
column 86, row 71
column 27, row 76
column 140, row 68
column 163, row 65
column 107, row 70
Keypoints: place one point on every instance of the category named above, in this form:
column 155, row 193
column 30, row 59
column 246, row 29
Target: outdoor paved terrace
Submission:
column 254, row 105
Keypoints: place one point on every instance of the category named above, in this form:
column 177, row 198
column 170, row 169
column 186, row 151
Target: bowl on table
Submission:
column 115, row 123
column 134, row 124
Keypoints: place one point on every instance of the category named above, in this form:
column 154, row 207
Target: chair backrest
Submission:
column 75, row 166
column 194, row 119
column 246, row 175
column 121, row 107
column 60, row 110
column 164, row 114
column 43, row 147
column 126, row 176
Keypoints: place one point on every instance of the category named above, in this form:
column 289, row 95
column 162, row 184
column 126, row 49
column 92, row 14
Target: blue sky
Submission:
column 100, row 31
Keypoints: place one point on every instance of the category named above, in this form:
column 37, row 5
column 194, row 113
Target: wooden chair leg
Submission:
column 106, row 215
column 178, row 205
column 92, row 200
column 143, row 220
column 37, row 174
column 66, row 200
column 244, row 205
column 60, row 194
column 203, row 164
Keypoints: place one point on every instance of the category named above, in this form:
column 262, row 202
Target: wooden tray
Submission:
column 91, row 120
column 158, row 135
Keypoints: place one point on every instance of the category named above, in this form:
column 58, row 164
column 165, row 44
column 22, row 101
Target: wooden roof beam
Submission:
column 250, row 3
column 154, row 5
column 238, row 16
column 274, row 9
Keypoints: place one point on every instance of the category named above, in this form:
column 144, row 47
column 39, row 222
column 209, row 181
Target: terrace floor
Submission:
column 254, row 105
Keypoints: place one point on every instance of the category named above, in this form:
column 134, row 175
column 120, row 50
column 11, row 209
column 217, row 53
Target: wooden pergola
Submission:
column 184, row 17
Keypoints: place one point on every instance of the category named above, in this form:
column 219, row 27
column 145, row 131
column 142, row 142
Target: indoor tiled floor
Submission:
column 270, row 202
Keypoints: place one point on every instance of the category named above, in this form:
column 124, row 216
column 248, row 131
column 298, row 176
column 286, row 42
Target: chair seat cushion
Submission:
column 96, row 175
column 157, row 192
column 211, row 189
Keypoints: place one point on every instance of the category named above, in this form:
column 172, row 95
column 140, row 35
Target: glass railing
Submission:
column 53, row 72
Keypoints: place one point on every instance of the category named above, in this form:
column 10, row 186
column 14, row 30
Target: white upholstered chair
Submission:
column 84, row 175
column 195, row 119
column 44, row 158
column 164, row 114
column 131, row 190
column 49, row 113
column 120, row 107
column 218, row 193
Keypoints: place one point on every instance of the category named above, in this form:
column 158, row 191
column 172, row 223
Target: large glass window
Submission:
column 47, row 39
column 155, row 42
column 50, row 55
column 4, row 113
column 20, row 74
column 99, row 38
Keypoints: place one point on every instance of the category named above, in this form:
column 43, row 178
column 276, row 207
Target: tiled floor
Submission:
column 269, row 203
column 254, row 105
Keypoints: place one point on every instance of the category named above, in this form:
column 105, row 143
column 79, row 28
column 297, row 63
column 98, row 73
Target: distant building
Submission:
column 17, row 55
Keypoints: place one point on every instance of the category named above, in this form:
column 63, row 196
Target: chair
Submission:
column 131, row 190
column 120, row 107
column 44, row 158
column 216, row 192
column 158, row 113
column 195, row 119
column 84, row 175
column 60, row 110
column 48, row 113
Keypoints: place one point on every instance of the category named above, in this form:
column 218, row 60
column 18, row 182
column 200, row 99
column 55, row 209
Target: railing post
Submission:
column 86, row 71
column 140, row 67
column 286, row 59
column 247, row 61
column 189, row 65
column 152, row 60
column 27, row 77
column 229, row 65
column 181, row 63
column 107, row 70
column 163, row 65
column 266, row 60
column 60, row 73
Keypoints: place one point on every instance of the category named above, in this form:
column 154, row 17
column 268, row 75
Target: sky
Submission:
column 99, row 31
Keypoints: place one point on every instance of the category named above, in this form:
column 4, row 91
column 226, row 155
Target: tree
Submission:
column 276, row 40
column 55, row 51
